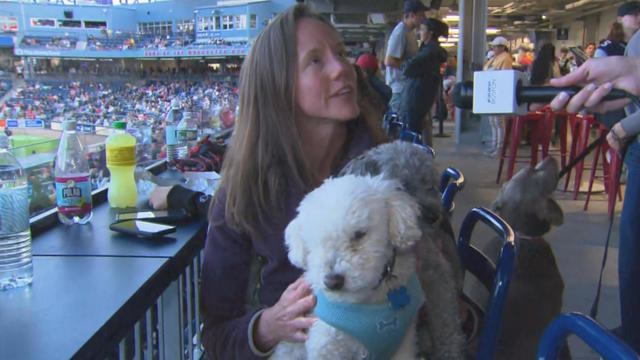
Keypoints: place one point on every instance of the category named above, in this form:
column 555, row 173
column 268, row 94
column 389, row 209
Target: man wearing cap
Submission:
column 629, row 17
column 501, row 60
column 401, row 46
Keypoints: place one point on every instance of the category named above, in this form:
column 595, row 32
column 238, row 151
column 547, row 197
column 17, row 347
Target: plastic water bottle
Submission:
column 171, row 121
column 16, row 268
column 121, row 161
column 73, row 183
column 187, row 134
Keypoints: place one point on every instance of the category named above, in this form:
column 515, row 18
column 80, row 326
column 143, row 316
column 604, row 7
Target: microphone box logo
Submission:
column 494, row 92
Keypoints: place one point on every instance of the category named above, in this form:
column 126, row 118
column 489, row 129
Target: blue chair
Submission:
column 451, row 182
column 495, row 278
column 595, row 335
column 411, row 136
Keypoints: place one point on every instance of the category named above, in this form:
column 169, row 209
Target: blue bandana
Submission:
column 381, row 327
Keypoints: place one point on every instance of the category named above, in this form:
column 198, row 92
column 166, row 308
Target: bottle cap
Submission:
column 120, row 125
column 69, row 125
column 4, row 141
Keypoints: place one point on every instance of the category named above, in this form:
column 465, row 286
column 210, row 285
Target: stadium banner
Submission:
column 204, row 51
column 37, row 123
column 12, row 123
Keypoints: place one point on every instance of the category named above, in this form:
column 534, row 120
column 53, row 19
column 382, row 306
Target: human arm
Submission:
column 395, row 48
column 598, row 77
column 230, row 331
column 180, row 198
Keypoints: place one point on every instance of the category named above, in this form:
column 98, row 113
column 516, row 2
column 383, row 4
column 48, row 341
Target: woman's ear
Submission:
column 404, row 212
column 295, row 243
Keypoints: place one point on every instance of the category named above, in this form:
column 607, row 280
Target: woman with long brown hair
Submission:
column 300, row 120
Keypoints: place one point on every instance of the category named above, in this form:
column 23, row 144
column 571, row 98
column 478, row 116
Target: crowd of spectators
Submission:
column 49, row 42
column 123, row 41
column 102, row 103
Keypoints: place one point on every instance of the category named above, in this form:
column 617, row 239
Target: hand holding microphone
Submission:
column 508, row 92
column 598, row 77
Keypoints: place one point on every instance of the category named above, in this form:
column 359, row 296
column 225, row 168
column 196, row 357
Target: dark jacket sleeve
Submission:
column 194, row 202
column 419, row 64
column 225, row 277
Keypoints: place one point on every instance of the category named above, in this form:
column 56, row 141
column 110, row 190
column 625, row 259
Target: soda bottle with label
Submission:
column 73, row 185
column 121, row 161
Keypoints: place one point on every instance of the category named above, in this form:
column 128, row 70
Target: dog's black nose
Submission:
column 334, row 281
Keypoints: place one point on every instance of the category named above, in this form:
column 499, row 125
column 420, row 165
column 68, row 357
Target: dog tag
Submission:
column 398, row 298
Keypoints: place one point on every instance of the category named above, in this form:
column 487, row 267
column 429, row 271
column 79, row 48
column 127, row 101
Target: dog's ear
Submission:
column 404, row 212
column 295, row 243
column 551, row 212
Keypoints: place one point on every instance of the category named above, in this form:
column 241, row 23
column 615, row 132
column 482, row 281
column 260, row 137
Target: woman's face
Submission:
column 325, row 80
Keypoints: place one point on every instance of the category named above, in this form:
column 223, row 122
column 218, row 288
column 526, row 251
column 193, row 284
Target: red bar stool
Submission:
column 611, row 171
column 537, row 123
column 562, row 119
column 575, row 121
column 584, row 123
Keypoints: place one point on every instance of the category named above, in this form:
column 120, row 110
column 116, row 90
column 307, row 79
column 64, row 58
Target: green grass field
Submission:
column 24, row 145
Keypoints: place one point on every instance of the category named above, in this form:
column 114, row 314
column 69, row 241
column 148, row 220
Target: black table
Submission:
column 91, row 285
column 73, row 306
column 95, row 239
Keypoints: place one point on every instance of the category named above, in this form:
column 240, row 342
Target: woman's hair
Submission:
column 616, row 33
column 265, row 155
column 541, row 66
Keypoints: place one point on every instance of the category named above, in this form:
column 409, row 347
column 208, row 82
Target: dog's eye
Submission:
column 359, row 235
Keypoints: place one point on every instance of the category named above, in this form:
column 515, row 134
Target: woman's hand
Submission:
column 158, row 197
column 287, row 320
column 598, row 76
column 617, row 138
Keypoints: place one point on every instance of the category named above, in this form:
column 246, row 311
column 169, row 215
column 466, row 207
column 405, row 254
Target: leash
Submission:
column 596, row 301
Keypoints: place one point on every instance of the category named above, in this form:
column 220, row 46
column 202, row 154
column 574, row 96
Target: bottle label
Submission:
column 121, row 155
column 187, row 135
column 73, row 195
column 171, row 135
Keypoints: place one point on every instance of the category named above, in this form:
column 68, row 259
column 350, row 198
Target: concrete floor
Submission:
column 578, row 244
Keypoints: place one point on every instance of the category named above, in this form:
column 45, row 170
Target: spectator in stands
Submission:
column 323, row 128
column 401, row 46
column 524, row 58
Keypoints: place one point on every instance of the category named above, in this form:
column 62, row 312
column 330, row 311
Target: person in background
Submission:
column 590, row 50
column 301, row 119
column 565, row 61
column 501, row 60
column 598, row 77
column 369, row 65
column 614, row 44
column 401, row 46
column 629, row 18
column 424, row 81
column 524, row 58
column 545, row 67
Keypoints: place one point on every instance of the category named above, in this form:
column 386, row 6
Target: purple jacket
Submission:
column 227, row 264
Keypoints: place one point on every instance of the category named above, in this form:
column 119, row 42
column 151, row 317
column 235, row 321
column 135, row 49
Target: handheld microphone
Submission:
column 509, row 93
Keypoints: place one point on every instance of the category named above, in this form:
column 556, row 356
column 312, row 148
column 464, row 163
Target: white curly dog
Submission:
column 354, row 237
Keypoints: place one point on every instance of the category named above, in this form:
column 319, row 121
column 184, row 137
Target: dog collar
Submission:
column 380, row 328
column 527, row 237
column 387, row 271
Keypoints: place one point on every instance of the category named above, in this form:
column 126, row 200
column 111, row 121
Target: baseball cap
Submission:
column 367, row 62
column 414, row 6
column 631, row 7
column 499, row 40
